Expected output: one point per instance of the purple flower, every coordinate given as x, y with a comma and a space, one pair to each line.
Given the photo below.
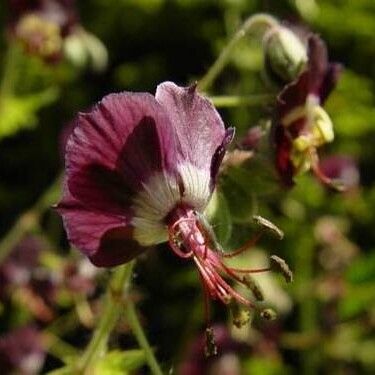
17, 268
140, 170
301, 124
41, 25
21, 351
342, 168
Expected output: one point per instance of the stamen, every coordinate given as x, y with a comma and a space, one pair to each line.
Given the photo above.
268, 225
249, 270
248, 244
210, 347
190, 238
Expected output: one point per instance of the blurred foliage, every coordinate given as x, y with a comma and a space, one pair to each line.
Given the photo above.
329, 237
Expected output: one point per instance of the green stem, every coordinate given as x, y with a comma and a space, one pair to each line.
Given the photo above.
308, 306
113, 302
254, 22
10, 71
237, 100
59, 348
29, 220
133, 321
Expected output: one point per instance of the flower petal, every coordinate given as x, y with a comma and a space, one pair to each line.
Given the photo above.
330, 80
219, 154
115, 148
85, 228
284, 164
293, 95
199, 128
322, 74
117, 246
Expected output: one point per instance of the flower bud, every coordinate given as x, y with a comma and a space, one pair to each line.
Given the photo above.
82, 48
285, 55
39, 36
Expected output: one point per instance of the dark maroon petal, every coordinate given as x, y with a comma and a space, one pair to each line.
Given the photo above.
115, 148
85, 228
219, 154
318, 79
293, 95
317, 64
116, 247
198, 126
144, 152
284, 164
100, 188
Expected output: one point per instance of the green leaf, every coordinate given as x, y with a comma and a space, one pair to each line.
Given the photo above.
257, 179
120, 362
17, 113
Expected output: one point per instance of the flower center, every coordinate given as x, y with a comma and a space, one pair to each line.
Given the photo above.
190, 236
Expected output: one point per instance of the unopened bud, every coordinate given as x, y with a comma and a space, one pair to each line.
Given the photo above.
279, 265
285, 55
82, 48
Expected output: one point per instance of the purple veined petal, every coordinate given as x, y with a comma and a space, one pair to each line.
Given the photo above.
94, 232
198, 126
115, 148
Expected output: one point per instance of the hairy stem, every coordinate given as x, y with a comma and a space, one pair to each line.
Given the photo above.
10, 71
113, 302
29, 220
253, 23
237, 100
308, 306
133, 321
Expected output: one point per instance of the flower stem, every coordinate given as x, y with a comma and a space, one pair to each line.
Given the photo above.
308, 306
10, 72
237, 100
254, 22
133, 321
29, 220
113, 302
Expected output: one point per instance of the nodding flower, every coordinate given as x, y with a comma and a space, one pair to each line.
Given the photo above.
302, 125
140, 171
